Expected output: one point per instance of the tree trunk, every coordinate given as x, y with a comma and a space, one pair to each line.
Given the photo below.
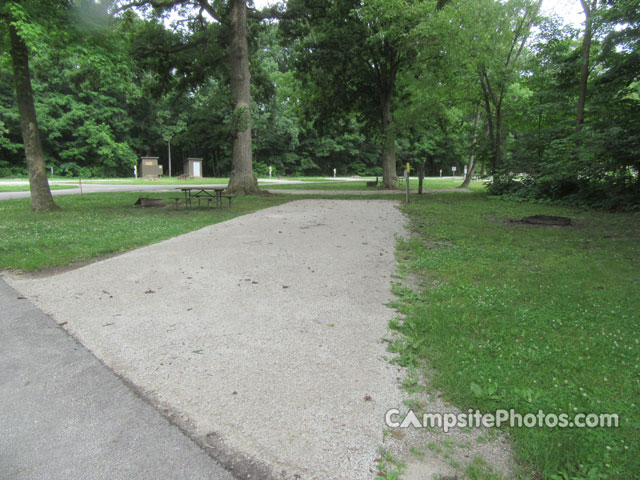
41, 198
584, 69
494, 119
472, 156
241, 181
470, 171
388, 143
420, 176
499, 141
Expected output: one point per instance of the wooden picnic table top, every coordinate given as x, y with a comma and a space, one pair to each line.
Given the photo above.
204, 191
217, 188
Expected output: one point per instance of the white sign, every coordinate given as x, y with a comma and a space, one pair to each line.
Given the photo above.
454, 169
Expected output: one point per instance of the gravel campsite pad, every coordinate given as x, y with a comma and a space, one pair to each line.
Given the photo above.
261, 336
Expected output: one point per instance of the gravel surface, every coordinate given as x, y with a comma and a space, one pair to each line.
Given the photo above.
64, 416
261, 336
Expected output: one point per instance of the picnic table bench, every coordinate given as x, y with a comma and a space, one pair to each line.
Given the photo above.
207, 194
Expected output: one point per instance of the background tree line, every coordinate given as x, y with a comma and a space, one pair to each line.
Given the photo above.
544, 110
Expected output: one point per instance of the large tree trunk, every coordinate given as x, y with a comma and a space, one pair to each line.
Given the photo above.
41, 198
472, 156
584, 69
388, 143
241, 181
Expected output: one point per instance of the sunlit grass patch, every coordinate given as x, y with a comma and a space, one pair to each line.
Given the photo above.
100, 224
531, 318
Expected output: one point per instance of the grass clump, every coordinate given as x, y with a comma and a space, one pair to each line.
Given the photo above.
530, 318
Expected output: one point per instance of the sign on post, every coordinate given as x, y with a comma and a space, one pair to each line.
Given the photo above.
453, 169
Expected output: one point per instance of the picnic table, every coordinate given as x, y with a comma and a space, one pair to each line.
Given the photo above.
210, 194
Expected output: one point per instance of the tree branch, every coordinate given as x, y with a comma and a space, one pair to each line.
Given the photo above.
172, 49
142, 3
206, 6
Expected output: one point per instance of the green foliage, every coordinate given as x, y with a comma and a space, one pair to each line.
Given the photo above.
109, 90
597, 166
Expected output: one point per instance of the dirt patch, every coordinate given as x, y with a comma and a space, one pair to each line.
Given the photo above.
544, 220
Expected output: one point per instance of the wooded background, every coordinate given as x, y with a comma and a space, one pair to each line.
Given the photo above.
544, 109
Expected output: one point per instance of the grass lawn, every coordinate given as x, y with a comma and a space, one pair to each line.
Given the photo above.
100, 224
25, 188
304, 179
532, 318
174, 180
429, 183
160, 181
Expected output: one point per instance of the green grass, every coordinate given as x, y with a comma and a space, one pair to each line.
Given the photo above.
175, 181
159, 181
25, 188
528, 317
305, 179
429, 183
100, 224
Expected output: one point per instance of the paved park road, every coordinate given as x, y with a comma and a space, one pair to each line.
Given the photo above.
262, 335
65, 416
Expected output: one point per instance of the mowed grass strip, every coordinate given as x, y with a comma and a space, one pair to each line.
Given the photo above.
428, 184
99, 224
25, 188
185, 181
532, 318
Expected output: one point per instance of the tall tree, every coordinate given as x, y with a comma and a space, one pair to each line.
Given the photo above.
241, 180
16, 19
233, 15
588, 6
500, 44
473, 165
354, 52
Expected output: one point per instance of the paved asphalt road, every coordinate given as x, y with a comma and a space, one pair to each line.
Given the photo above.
101, 188
106, 188
64, 415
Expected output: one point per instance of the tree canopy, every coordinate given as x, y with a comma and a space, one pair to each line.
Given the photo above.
543, 110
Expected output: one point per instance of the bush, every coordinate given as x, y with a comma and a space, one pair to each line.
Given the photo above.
614, 192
